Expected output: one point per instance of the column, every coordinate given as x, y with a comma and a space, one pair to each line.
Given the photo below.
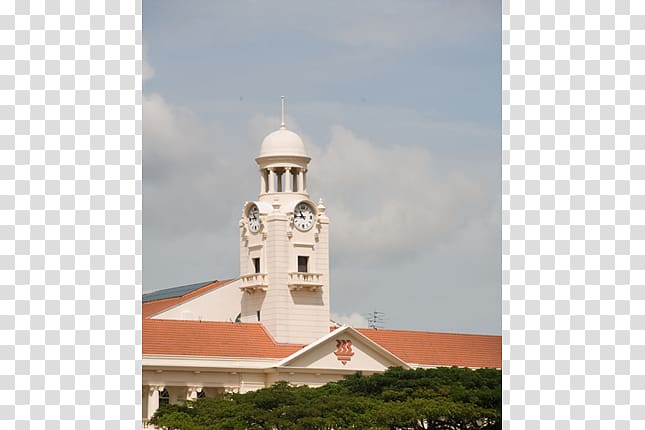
287, 179
304, 180
301, 180
263, 181
271, 180
153, 400
192, 393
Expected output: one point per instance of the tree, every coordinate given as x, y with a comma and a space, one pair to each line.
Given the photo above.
442, 398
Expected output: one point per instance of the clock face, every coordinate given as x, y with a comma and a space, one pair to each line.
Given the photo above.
254, 218
303, 217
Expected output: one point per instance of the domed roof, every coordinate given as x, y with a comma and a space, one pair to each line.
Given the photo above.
282, 142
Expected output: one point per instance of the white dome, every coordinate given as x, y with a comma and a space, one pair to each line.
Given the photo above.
282, 142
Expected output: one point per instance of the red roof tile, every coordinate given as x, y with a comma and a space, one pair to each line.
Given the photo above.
440, 349
154, 307
211, 339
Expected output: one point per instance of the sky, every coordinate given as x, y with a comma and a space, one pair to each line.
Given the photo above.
399, 106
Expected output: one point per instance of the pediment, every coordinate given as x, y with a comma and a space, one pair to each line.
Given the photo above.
218, 304
343, 349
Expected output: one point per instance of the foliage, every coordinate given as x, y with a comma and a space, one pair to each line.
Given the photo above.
442, 398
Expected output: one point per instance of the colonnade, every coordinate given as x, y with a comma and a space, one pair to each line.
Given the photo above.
156, 395
283, 179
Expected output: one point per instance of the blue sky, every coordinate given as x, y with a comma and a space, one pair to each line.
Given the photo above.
399, 105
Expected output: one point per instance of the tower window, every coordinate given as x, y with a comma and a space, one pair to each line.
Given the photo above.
258, 314
303, 263
256, 264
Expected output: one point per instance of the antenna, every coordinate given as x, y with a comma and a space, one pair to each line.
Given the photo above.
282, 124
375, 319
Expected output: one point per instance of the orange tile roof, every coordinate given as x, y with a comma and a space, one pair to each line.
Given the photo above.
211, 339
225, 339
154, 307
440, 349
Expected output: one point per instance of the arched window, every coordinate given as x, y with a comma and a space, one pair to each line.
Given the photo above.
164, 397
201, 394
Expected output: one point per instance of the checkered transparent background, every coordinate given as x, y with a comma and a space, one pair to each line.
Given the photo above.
573, 202
70, 214
573, 214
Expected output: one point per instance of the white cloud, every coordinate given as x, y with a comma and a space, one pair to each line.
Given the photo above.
173, 132
392, 200
395, 200
148, 70
353, 320
190, 182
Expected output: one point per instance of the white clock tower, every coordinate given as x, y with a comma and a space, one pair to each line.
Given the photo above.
284, 246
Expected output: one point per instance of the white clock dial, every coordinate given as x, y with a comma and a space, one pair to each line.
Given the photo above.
254, 219
303, 217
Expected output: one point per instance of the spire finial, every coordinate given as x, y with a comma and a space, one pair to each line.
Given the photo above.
282, 123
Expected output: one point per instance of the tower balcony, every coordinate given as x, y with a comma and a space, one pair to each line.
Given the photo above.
304, 281
254, 282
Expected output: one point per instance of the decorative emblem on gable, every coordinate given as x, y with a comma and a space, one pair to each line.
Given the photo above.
344, 351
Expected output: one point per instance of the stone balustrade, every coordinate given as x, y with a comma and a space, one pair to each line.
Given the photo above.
305, 281
254, 282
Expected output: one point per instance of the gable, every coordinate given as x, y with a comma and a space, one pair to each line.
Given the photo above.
217, 302
159, 301
344, 349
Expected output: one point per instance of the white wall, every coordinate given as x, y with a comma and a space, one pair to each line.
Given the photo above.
221, 304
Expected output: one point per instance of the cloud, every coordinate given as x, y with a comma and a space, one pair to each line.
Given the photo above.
194, 179
354, 319
394, 201
174, 137
148, 70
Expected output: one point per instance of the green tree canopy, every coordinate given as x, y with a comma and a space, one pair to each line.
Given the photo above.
441, 398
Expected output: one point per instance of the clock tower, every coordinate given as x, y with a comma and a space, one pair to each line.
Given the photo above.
284, 246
